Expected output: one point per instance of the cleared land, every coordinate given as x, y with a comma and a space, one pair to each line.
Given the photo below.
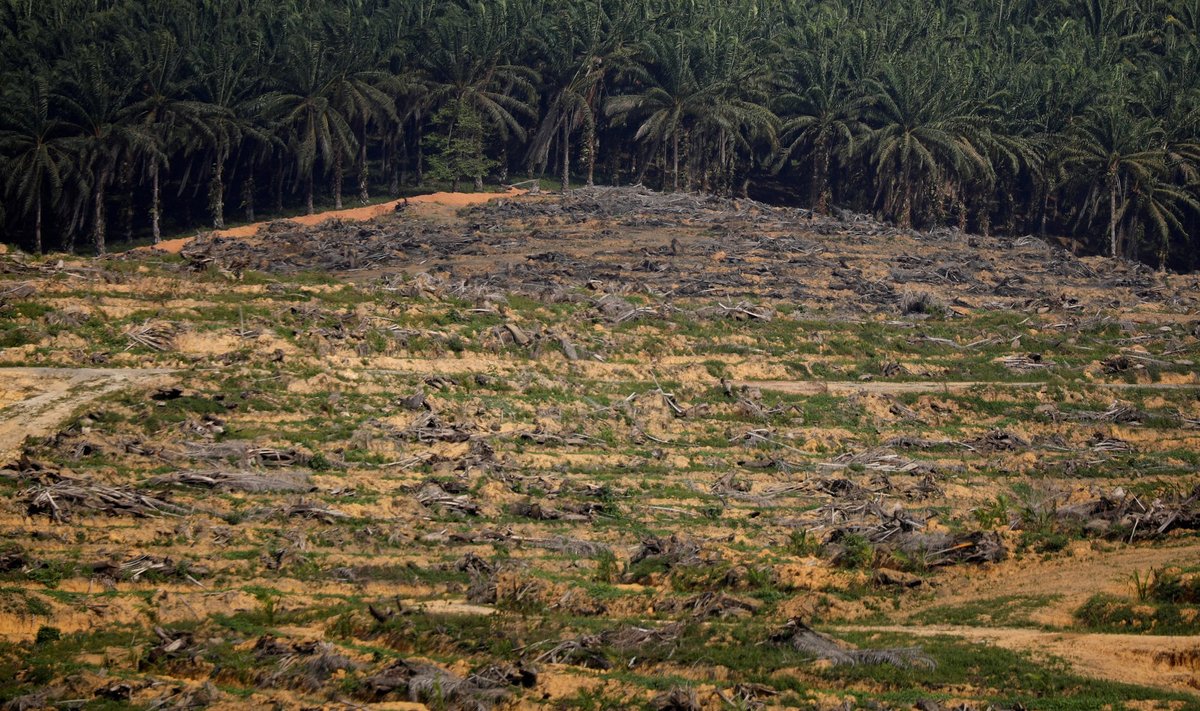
609, 450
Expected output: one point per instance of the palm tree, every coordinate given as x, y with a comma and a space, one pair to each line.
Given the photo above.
306, 111
38, 162
1159, 208
230, 84
466, 67
361, 91
1114, 153
586, 46
823, 118
920, 135
165, 109
95, 99
671, 93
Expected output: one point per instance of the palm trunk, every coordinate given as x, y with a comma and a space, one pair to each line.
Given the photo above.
364, 190
566, 155
675, 159
821, 182
1045, 210
308, 198
98, 225
279, 187
815, 189
639, 171
127, 201
420, 168
1113, 242
337, 181
248, 193
399, 167
593, 144
906, 206
155, 204
216, 194
37, 224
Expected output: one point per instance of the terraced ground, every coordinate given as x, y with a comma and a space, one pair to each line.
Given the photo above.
609, 450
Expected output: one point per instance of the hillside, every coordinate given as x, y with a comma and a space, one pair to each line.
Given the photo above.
608, 449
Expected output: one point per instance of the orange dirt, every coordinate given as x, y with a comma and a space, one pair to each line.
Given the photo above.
360, 214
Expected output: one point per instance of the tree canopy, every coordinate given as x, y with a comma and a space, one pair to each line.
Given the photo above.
1076, 119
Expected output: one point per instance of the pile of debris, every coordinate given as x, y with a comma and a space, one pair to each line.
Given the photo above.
285, 247
1127, 515
66, 496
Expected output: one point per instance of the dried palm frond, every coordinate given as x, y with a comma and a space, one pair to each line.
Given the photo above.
153, 335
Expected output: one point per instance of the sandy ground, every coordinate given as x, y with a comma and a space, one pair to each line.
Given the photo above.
426, 203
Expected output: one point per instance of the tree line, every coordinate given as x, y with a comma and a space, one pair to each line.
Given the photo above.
1075, 118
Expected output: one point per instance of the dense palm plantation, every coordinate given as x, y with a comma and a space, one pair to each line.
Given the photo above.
1074, 119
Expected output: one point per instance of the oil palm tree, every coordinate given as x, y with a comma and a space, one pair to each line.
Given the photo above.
823, 115
38, 160
306, 110
164, 107
921, 134
587, 45
1115, 153
468, 67
95, 98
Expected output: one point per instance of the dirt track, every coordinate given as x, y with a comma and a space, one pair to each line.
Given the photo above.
424, 203
44, 397
816, 387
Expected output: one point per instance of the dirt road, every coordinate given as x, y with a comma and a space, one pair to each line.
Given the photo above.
369, 212
850, 387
